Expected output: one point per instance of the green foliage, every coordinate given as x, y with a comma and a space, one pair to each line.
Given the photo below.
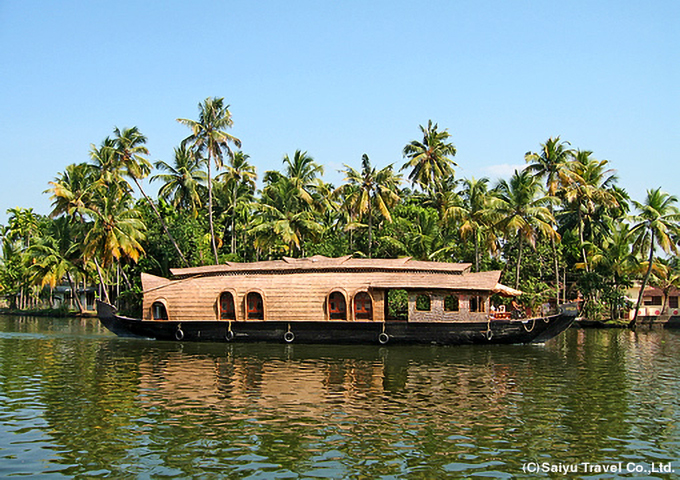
397, 304
561, 213
423, 303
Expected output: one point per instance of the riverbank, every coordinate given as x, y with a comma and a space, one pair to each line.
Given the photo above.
642, 322
48, 312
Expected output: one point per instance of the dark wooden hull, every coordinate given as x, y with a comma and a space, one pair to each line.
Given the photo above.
534, 330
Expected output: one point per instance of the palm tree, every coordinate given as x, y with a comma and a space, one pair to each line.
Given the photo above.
658, 224
281, 220
130, 151
183, 180
521, 206
115, 233
12, 268
589, 187
208, 135
303, 172
613, 260
415, 232
23, 225
550, 163
240, 176
475, 214
374, 189
53, 257
430, 159
71, 190
105, 162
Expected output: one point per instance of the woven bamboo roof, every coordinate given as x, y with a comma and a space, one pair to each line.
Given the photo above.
352, 273
322, 263
482, 281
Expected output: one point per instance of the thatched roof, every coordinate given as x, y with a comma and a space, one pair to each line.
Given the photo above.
321, 263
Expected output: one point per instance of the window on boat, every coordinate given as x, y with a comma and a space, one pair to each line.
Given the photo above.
673, 302
337, 307
255, 306
477, 304
363, 306
654, 300
158, 311
423, 303
227, 309
451, 303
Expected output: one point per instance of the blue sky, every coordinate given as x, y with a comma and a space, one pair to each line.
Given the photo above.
339, 79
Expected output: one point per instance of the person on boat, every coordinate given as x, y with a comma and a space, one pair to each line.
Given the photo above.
517, 310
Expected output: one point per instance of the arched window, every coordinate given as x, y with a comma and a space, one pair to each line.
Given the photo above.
423, 303
158, 311
363, 306
254, 306
451, 303
227, 309
337, 307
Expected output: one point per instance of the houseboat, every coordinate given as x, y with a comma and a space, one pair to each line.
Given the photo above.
332, 300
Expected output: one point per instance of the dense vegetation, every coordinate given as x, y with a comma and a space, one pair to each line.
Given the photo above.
560, 227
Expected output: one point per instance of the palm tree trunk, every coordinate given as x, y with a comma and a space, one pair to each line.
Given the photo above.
580, 236
125, 278
556, 260
101, 280
370, 232
519, 262
165, 227
233, 220
210, 213
81, 309
477, 251
633, 322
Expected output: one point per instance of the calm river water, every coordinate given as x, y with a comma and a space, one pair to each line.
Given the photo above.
77, 402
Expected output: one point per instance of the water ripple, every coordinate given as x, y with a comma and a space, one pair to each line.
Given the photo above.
96, 406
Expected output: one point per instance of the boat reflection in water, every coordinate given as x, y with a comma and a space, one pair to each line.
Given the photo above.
317, 382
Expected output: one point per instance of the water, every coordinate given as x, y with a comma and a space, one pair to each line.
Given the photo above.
78, 402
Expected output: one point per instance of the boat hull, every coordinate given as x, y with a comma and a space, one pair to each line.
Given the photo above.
535, 330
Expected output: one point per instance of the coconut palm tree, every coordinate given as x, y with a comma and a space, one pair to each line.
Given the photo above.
105, 163
371, 189
23, 225
208, 135
239, 177
72, 189
115, 233
475, 215
550, 163
429, 159
657, 225
612, 260
53, 257
303, 172
281, 220
130, 151
522, 208
589, 188
183, 180
415, 232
